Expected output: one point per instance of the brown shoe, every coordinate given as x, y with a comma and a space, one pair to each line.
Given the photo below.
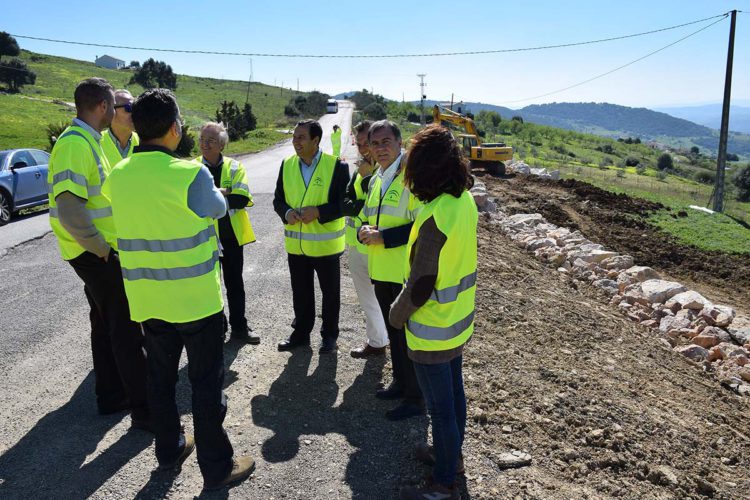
367, 351
426, 454
429, 491
242, 467
187, 449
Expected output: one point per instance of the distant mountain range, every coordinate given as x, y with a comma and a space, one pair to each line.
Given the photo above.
710, 116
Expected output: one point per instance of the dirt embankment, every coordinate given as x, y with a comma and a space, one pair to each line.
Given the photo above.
618, 222
604, 409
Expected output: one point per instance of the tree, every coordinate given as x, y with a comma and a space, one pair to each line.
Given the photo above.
135, 64
238, 123
8, 45
15, 74
154, 74
695, 151
374, 111
187, 143
742, 181
665, 162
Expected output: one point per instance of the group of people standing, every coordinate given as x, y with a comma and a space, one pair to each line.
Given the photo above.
147, 233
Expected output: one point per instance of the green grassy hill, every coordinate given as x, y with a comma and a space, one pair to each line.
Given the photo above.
25, 116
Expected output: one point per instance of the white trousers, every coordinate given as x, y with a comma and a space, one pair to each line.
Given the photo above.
377, 336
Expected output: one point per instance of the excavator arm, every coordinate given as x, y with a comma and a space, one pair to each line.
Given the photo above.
440, 114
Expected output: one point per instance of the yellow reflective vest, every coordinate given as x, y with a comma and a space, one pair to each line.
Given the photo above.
78, 165
112, 152
446, 320
313, 239
396, 207
353, 223
234, 177
169, 255
336, 142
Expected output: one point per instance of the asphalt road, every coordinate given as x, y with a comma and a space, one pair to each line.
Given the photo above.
311, 423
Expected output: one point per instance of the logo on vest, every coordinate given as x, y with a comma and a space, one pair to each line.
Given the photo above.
392, 195
318, 182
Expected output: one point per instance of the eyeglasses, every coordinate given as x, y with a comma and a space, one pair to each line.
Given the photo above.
128, 106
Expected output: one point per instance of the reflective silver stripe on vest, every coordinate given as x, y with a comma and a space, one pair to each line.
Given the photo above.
93, 151
450, 294
399, 212
370, 211
69, 175
313, 236
173, 245
437, 333
240, 185
94, 213
351, 222
171, 274
91, 190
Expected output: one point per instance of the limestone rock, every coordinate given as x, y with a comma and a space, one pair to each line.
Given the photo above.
740, 335
618, 262
661, 290
688, 300
694, 352
642, 273
706, 340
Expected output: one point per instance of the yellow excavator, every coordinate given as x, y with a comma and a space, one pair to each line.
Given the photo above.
490, 156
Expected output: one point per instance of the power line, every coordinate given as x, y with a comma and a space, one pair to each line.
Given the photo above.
618, 68
375, 56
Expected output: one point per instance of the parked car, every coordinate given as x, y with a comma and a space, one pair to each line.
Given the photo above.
23, 181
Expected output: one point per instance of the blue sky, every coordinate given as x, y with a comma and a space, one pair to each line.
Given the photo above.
691, 72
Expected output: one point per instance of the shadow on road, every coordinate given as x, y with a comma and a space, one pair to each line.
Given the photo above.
51, 460
300, 404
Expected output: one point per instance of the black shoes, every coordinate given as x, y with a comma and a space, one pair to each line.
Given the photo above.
393, 391
292, 343
328, 345
405, 410
246, 337
113, 405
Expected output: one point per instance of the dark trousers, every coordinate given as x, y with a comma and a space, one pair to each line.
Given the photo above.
443, 388
116, 341
204, 342
403, 368
232, 263
302, 270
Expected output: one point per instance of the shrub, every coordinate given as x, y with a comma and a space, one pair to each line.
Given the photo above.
640, 169
620, 173
238, 123
665, 162
187, 143
375, 111
705, 177
632, 161
742, 181
54, 130
661, 175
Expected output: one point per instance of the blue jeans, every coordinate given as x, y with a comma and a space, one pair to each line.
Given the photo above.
204, 342
442, 385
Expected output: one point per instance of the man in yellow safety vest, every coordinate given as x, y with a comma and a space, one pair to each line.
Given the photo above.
336, 141
235, 230
309, 200
164, 210
120, 138
390, 211
81, 218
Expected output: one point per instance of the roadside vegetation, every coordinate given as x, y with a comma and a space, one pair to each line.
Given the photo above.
26, 114
675, 178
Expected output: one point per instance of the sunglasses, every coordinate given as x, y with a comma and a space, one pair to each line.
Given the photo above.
128, 106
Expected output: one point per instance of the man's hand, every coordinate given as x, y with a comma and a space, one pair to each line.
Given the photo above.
292, 217
309, 214
225, 191
369, 235
365, 168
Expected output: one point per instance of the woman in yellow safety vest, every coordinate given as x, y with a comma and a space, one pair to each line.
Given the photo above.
437, 303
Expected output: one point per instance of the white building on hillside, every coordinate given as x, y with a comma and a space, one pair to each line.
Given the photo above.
109, 62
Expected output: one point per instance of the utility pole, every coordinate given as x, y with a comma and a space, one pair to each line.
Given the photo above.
247, 98
297, 85
721, 161
422, 96
451, 101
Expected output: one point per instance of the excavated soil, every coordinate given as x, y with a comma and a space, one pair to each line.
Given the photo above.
618, 222
605, 409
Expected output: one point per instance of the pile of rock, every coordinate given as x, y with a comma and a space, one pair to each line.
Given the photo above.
521, 167
690, 323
